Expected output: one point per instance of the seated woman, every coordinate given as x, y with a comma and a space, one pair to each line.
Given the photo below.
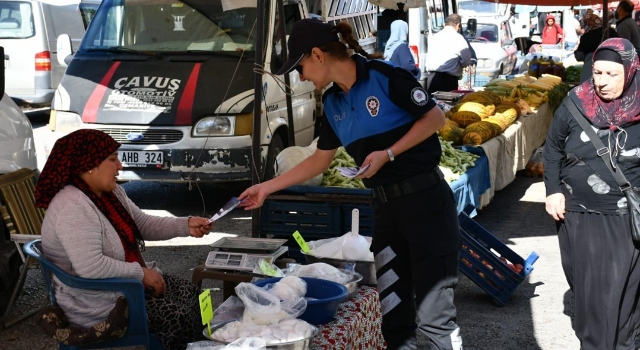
93, 230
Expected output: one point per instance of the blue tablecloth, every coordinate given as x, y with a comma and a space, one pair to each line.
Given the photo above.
473, 183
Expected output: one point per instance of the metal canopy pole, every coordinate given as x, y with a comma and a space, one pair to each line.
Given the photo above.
287, 81
257, 113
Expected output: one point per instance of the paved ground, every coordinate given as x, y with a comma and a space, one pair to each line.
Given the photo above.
537, 316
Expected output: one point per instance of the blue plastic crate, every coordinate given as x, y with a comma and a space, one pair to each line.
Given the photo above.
480, 260
316, 212
312, 219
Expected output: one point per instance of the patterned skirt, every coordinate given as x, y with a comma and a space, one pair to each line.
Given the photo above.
175, 316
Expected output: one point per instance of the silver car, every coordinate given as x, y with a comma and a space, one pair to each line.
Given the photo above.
495, 49
28, 33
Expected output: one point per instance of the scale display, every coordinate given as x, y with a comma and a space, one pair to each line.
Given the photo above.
227, 260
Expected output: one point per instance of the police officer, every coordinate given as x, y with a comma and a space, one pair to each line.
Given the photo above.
386, 120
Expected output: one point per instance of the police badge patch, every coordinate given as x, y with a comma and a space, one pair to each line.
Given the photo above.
419, 96
373, 105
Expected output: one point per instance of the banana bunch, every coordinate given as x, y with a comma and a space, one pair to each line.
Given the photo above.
536, 98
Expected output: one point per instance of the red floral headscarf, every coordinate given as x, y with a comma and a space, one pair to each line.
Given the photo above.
624, 109
75, 154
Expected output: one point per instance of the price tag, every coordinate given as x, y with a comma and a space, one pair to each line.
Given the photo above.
206, 309
268, 269
301, 242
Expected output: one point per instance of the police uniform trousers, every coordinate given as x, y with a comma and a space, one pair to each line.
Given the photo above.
416, 242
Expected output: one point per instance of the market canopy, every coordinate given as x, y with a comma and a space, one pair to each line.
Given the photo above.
574, 3
393, 4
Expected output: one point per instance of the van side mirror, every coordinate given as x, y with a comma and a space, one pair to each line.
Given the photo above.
507, 42
472, 27
64, 50
6, 57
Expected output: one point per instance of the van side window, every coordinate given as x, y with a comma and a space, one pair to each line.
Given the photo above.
16, 20
87, 11
291, 16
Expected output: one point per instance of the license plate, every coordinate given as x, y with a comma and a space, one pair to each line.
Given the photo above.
138, 158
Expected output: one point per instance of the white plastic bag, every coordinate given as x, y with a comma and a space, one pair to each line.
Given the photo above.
321, 271
327, 248
264, 308
230, 309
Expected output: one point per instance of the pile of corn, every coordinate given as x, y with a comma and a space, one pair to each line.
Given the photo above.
533, 91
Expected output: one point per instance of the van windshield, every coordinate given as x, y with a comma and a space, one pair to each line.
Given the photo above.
485, 33
173, 26
16, 20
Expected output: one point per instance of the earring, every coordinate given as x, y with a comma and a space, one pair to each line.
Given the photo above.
90, 171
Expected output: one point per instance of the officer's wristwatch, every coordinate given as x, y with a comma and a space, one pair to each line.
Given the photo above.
390, 154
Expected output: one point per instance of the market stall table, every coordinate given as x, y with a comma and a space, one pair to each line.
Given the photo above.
468, 189
357, 324
511, 151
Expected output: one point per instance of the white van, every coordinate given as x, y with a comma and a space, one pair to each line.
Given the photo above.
17, 146
173, 82
28, 32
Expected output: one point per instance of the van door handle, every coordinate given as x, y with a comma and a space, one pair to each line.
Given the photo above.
6, 57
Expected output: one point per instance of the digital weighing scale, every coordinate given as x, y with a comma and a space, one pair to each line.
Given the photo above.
243, 253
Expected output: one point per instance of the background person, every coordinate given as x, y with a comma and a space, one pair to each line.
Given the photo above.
551, 33
445, 64
626, 26
589, 42
397, 51
92, 229
572, 31
386, 121
594, 230
587, 12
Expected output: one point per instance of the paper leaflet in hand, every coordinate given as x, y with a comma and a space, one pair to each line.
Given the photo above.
229, 206
352, 171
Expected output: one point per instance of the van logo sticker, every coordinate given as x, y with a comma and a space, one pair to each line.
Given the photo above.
373, 105
177, 23
135, 136
264, 90
143, 93
419, 96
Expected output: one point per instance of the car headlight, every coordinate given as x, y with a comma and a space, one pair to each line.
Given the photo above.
214, 126
488, 63
63, 121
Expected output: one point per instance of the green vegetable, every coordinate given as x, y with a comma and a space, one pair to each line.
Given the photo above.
455, 161
572, 73
333, 178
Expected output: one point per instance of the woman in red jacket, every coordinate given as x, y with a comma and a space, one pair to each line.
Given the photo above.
552, 32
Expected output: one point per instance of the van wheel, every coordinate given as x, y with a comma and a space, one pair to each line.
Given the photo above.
275, 148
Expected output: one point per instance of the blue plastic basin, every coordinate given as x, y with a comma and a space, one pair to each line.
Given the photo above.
328, 295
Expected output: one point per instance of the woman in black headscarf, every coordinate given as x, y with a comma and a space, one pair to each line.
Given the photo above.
93, 230
594, 230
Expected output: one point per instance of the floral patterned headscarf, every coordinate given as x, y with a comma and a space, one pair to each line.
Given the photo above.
591, 22
624, 109
74, 155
